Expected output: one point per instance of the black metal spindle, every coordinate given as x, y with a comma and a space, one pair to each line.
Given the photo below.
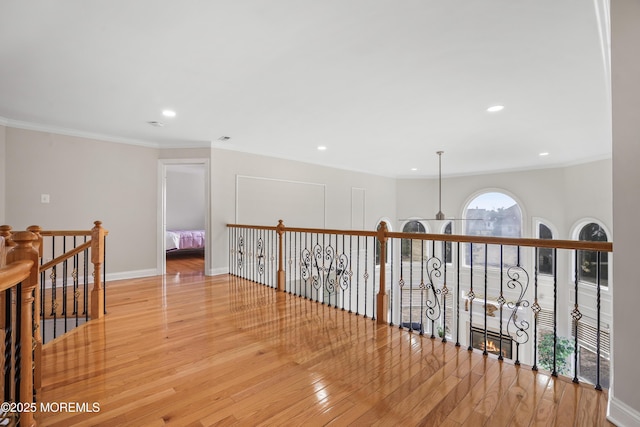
74, 275
575, 314
53, 288
366, 273
86, 284
535, 311
458, 295
18, 344
422, 288
351, 271
390, 282
8, 343
554, 372
445, 292
471, 296
373, 281
501, 299
598, 276
358, 277
64, 283
486, 289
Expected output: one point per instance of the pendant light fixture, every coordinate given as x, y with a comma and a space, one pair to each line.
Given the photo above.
439, 215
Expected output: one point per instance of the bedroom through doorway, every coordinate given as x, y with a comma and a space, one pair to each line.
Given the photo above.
184, 214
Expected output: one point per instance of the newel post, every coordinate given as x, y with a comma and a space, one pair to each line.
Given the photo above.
24, 250
97, 258
382, 302
281, 276
5, 231
37, 351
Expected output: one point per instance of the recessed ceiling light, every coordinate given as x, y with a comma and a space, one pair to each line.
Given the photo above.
414, 169
321, 148
169, 113
495, 108
543, 154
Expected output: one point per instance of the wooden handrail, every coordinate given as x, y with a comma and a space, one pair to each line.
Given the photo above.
65, 256
14, 273
505, 241
60, 233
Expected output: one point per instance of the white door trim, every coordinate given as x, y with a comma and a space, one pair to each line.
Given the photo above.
162, 209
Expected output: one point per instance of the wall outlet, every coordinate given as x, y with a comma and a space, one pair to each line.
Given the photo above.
44, 198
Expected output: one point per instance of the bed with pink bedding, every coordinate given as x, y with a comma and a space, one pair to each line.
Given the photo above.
184, 239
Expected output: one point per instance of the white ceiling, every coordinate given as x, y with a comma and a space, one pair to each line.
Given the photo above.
383, 84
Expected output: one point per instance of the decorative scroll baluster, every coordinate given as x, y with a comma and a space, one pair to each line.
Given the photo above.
241, 251
433, 309
518, 277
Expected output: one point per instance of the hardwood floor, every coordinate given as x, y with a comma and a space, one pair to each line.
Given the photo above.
190, 350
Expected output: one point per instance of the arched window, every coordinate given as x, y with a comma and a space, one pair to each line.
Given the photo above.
545, 255
413, 249
588, 260
493, 214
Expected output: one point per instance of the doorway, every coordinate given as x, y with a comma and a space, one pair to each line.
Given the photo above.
183, 214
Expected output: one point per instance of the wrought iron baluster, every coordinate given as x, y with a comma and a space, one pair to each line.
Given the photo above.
391, 301
53, 278
86, 283
470, 296
433, 310
358, 278
501, 299
598, 277
64, 283
366, 273
576, 315
422, 287
536, 309
18, 343
458, 295
486, 289
445, 292
554, 371
518, 277
8, 343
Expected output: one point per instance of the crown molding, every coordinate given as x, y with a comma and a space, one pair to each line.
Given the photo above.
75, 132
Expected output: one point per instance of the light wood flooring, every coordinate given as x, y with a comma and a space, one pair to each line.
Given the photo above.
190, 350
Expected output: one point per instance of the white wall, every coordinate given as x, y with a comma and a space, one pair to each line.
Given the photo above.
185, 205
87, 180
328, 198
624, 397
560, 195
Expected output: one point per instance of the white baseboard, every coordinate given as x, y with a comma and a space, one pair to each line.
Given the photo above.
123, 275
217, 271
622, 414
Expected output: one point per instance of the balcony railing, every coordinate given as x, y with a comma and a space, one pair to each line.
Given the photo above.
523, 300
